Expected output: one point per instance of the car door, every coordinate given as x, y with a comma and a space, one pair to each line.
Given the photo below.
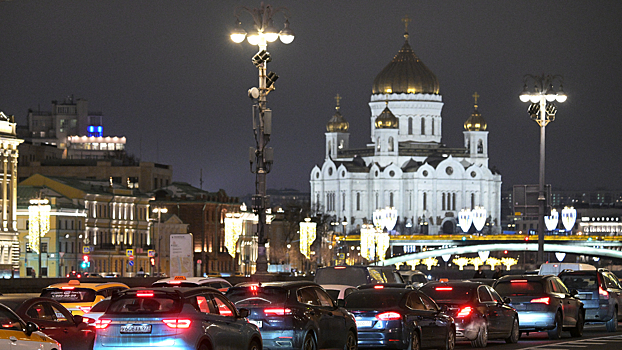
442, 322
504, 312
615, 289
418, 316
57, 322
332, 320
570, 304
314, 315
487, 306
230, 323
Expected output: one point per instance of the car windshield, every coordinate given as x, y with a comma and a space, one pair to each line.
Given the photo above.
255, 296
101, 306
355, 276
173, 284
132, 304
580, 281
69, 294
334, 293
449, 294
372, 300
417, 278
519, 287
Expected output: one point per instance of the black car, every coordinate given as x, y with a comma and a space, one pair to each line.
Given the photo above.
543, 303
399, 318
295, 315
479, 312
357, 275
601, 294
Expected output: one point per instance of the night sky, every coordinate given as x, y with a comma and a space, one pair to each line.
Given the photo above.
166, 75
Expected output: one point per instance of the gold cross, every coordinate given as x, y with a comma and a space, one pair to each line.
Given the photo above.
406, 20
476, 96
338, 99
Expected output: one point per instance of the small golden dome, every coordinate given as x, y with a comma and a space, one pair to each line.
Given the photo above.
405, 74
386, 119
337, 123
475, 122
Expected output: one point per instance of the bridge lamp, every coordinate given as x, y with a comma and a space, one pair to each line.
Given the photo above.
569, 216
465, 220
560, 256
483, 254
552, 220
479, 217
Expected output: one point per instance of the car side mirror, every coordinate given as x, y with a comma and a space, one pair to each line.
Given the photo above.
444, 309
574, 292
78, 319
31, 327
243, 312
341, 303
507, 300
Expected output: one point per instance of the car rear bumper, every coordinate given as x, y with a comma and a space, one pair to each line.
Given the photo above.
536, 320
467, 331
601, 313
392, 338
281, 339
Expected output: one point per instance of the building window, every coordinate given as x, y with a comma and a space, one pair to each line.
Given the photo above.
422, 126
425, 199
410, 126
443, 202
377, 206
343, 201
358, 201
390, 144
472, 201
432, 126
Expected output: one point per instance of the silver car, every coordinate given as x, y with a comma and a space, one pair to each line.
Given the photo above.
543, 303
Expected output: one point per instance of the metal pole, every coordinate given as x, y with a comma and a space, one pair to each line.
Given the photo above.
261, 267
541, 193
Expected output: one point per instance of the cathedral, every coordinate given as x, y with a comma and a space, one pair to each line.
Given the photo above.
405, 166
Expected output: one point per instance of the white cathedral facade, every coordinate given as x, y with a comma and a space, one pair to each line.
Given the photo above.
405, 166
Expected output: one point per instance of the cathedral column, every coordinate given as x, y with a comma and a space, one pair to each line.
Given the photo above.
13, 213
5, 163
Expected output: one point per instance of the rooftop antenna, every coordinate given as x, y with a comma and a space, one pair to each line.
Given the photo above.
201, 179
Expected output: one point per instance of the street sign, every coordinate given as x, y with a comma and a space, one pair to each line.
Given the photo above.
151, 253
131, 262
131, 257
199, 261
129, 252
86, 249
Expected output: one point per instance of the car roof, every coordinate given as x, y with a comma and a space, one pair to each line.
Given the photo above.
530, 278
181, 291
336, 286
197, 280
281, 284
384, 291
464, 283
89, 285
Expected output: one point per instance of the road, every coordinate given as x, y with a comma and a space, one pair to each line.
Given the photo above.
594, 337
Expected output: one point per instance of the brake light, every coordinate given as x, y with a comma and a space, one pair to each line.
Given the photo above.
339, 267
378, 287
144, 293
603, 294
544, 300
88, 320
444, 288
389, 316
254, 287
67, 288
84, 309
518, 281
102, 324
174, 282
464, 312
277, 311
179, 323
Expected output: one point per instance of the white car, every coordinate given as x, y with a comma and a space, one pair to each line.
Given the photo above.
338, 291
17, 334
96, 311
182, 281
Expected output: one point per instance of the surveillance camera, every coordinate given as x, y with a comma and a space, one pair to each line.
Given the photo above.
253, 93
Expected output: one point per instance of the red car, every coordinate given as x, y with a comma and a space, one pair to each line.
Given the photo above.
54, 320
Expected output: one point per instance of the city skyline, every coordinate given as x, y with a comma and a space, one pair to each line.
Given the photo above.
166, 75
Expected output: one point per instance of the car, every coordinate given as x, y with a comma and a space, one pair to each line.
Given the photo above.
601, 294
54, 320
414, 277
74, 274
338, 291
15, 333
182, 281
181, 318
79, 297
479, 312
110, 274
550, 268
543, 303
357, 275
399, 318
96, 311
295, 315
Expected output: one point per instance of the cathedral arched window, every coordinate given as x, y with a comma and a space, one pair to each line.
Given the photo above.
425, 200
472, 201
341, 144
330, 148
391, 199
422, 126
377, 206
410, 126
391, 144
378, 144
453, 201
343, 201
358, 200
432, 127
480, 147
443, 202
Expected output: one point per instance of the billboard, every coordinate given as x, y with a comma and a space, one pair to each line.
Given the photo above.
180, 263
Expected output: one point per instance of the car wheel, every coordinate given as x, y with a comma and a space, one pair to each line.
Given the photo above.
514, 333
203, 347
415, 343
577, 331
556, 332
351, 342
254, 345
482, 337
612, 324
309, 343
450, 342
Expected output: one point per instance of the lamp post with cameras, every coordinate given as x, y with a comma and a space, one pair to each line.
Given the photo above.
542, 111
261, 157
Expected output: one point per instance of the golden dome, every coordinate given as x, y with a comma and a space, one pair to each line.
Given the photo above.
386, 119
337, 123
405, 74
475, 122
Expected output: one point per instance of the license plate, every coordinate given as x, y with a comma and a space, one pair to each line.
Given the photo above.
135, 328
585, 296
363, 323
256, 323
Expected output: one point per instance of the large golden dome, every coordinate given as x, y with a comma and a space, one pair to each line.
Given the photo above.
386, 120
405, 74
475, 122
337, 123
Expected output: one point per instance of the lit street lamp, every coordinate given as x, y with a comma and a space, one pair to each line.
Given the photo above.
159, 211
542, 111
261, 156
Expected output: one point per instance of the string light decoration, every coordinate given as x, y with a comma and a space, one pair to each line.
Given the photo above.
461, 262
477, 262
429, 262
374, 243
38, 222
493, 262
307, 236
233, 230
509, 262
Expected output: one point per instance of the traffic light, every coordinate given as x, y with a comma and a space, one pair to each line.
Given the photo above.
152, 260
85, 262
505, 252
85, 258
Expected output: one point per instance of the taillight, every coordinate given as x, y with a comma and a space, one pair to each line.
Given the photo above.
544, 300
88, 320
389, 316
277, 311
603, 294
180, 323
444, 288
518, 281
464, 312
84, 309
101, 324
67, 288
378, 287
144, 293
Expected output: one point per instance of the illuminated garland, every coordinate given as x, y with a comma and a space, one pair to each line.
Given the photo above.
38, 222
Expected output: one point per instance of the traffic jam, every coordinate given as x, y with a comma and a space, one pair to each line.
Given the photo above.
346, 307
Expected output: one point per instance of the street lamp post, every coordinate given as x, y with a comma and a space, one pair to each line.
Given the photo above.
159, 211
261, 156
542, 111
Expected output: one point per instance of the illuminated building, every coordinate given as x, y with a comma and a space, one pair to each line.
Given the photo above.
406, 165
